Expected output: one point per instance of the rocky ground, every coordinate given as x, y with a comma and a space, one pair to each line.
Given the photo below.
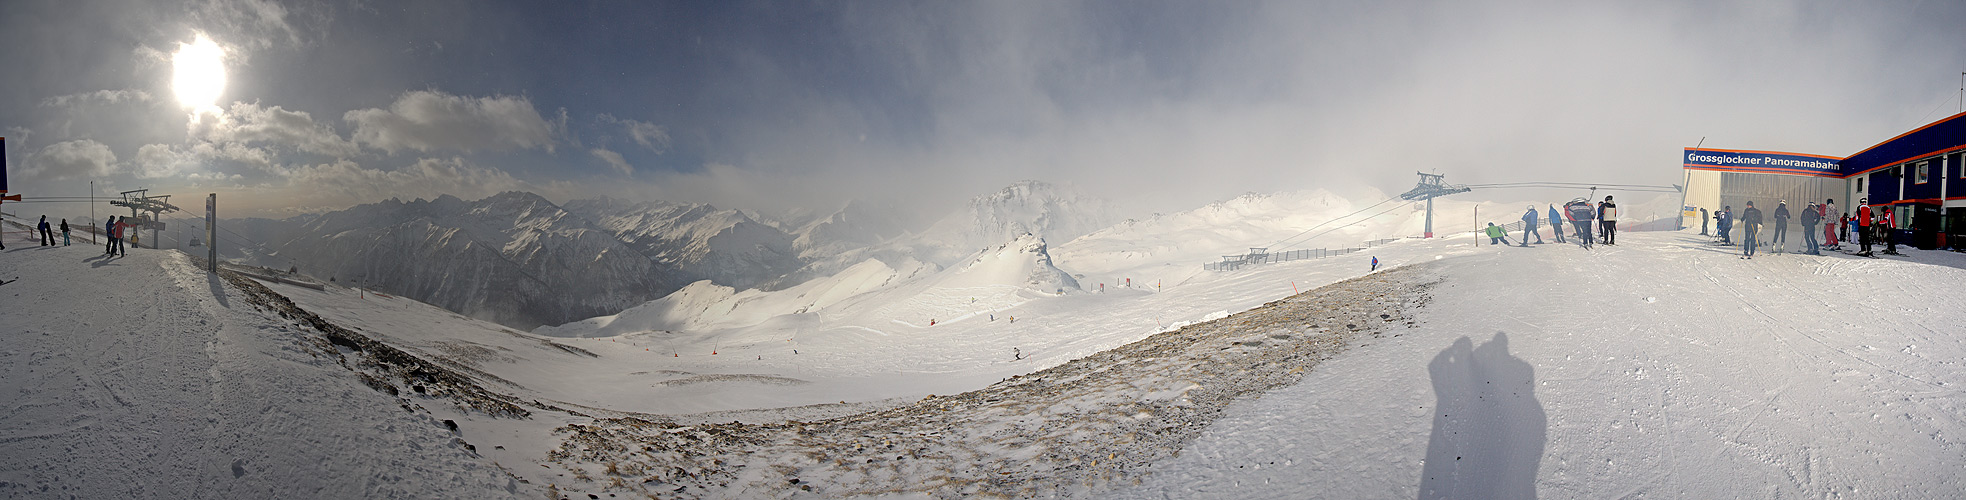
1070, 430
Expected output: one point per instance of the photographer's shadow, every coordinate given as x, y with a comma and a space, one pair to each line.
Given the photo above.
1489, 430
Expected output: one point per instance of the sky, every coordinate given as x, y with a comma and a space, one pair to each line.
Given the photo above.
773, 106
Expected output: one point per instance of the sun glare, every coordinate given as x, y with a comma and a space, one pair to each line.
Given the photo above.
198, 73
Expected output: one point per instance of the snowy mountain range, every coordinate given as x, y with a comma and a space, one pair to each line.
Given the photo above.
519, 259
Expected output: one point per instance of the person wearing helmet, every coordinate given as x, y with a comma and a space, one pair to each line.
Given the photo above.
1723, 223
1607, 221
1751, 229
1529, 227
1780, 239
1811, 215
1863, 227
1580, 214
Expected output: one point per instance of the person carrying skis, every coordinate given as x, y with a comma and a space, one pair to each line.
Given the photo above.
47, 235
64, 232
1607, 220
1496, 235
1556, 225
1781, 225
1723, 223
1580, 214
1810, 216
1529, 224
1751, 217
1863, 227
1829, 222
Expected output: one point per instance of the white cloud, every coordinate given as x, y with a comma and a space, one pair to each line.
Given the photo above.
71, 159
199, 160
249, 123
98, 97
344, 182
647, 134
614, 160
257, 24
430, 121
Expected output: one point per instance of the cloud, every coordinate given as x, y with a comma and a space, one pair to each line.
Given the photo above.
204, 160
71, 159
614, 160
428, 121
249, 123
257, 24
344, 182
649, 135
97, 97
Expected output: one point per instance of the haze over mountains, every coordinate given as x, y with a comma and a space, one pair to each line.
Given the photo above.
519, 259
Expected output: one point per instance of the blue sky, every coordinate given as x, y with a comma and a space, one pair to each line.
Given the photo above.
778, 105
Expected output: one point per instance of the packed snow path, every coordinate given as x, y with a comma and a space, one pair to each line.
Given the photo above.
1661, 367
145, 377
1067, 430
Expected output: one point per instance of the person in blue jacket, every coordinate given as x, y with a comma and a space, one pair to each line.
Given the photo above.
1556, 224
1529, 227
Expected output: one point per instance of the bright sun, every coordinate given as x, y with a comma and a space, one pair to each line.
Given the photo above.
198, 73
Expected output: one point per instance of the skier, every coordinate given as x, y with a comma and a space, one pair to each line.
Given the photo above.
64, 232
122, 228
1810, 216
1580, 214
1496, 235
1781, 225
1829, 223
1752, 218
1529, 224
1723, 222
1863, 227
1703, 221
1556, 224
1889, 230
1375, 263
47, 235
1607, 220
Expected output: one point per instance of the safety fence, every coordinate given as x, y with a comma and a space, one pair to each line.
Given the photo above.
1264, 256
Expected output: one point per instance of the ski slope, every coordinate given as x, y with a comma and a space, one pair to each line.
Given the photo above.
1661, 367
145, 377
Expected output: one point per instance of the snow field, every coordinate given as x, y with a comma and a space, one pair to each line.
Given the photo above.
144, 377
1663, 366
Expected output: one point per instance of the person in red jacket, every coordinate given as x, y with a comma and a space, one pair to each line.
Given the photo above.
1888, 227
1863, 227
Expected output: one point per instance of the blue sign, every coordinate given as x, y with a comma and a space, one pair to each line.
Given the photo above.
1764, 162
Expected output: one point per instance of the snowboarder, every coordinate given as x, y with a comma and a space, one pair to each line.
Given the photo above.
1751, 217
1375, 263
64, 232
1529, 224
1723, 223
1863, 227
1607, 220
1496, 236
47, 235
1556, 225
1580, 214
1703, 221
1888, 229
1781, 225
1811, 215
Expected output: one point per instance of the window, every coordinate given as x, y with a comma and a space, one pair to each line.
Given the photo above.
1860, 184
1924, 172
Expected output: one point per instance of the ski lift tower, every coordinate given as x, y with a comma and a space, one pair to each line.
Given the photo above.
1431, 187
156, 205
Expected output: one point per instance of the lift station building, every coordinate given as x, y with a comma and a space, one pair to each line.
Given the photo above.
1917, 175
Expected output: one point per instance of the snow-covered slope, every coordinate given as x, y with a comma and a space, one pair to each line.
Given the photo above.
514, 258
145, 377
